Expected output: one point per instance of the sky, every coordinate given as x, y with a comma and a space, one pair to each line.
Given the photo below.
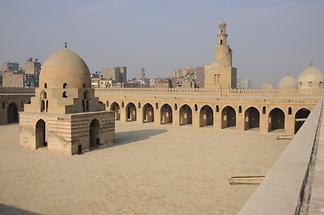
269, 38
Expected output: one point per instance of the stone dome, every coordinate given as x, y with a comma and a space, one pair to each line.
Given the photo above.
310, 78
64, 67
287, 82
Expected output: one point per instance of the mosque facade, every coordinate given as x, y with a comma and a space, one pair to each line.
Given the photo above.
64, 115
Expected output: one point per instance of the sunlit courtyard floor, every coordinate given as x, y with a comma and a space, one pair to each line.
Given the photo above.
151, 170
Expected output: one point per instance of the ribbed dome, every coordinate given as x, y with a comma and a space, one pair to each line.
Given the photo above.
287, 82
310, 78
65, 66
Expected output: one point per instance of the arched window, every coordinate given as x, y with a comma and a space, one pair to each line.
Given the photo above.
139, 105
107, 103
122, 104
175, 106
87, 105
83, 106
83, 85
289, 111
156, 106
64, 85
45, 85
196, 107
240, 109
43, 95
3, 105
217, 108
221, 42
22, 104
264, 110
64, 94
44, 102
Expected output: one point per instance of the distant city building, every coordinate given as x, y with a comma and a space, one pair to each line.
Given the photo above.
32, 71
116, 75
96, 79
243, 84
189, 77
160, 83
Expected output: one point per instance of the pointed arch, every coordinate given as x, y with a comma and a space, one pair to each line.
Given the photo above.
251, 118
40, 134
276, 119
94, 134
206, 116
228, 117
300, 117
148, 113
166, 114
116, 109
185, 115
131, 112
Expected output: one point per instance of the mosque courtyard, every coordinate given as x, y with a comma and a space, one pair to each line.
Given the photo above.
150, 170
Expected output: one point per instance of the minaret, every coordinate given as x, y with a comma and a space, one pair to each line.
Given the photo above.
142, 74
223, 51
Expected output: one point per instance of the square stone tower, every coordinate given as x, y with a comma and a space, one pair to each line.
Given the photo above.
221, 74
65, 116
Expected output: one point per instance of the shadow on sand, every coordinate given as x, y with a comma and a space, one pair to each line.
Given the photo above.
7, 209
137, 135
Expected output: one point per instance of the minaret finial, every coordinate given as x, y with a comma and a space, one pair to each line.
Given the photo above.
65, 45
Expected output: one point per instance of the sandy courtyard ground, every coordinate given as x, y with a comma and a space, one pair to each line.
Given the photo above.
151, 170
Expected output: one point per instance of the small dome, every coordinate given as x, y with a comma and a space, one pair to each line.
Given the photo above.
65, 67
287, 82
267, 86
310, 78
